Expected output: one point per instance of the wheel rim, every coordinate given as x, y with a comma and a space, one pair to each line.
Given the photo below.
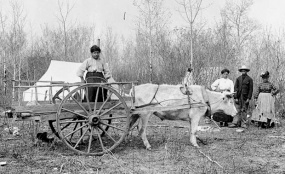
93, 128
56, 99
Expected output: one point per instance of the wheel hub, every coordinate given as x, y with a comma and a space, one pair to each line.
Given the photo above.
94, 120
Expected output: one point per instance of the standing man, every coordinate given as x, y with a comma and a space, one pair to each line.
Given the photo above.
243, 88
97, 72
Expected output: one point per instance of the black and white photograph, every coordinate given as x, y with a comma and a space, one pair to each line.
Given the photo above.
142, 87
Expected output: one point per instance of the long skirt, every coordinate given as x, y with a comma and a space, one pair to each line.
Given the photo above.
96, 77
266, 105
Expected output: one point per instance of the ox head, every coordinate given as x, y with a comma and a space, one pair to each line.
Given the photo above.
219, 102
224, 104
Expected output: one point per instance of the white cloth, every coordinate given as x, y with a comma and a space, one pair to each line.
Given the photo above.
92, 65
223, 84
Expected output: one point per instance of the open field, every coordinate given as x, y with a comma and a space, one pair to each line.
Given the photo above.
252, 151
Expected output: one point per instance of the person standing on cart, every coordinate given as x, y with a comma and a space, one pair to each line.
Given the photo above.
97, 72
264, 98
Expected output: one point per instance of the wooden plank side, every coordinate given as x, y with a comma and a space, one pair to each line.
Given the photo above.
52, 108
24, 103
63, 115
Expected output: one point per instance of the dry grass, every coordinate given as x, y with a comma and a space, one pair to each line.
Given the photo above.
252, 151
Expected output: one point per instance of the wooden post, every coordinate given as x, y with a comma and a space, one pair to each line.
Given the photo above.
36, 93
32, 93
50, 91
133, 96
5, 76
98, 42
19, 83
13, 83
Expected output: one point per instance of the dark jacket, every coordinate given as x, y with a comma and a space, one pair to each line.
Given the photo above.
243, 87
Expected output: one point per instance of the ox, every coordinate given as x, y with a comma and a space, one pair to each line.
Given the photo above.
164, 96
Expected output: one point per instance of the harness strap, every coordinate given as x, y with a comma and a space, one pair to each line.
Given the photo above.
188, 93
206, 99
149, 104
154, 95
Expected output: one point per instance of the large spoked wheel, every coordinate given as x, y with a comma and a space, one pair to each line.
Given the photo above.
81, 125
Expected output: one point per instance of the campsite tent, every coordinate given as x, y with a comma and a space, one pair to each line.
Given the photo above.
57, 71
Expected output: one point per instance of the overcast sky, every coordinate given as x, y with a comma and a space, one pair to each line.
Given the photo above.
103, 13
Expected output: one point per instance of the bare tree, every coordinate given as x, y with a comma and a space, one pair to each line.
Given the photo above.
151, 24
191, 9
240, 25
64, 13
13, 38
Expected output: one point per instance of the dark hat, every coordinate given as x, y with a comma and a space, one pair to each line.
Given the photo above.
243, 67
264, 74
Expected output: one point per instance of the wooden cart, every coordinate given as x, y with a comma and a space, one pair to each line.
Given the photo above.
88, 128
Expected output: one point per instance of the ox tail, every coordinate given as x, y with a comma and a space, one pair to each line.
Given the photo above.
207, 101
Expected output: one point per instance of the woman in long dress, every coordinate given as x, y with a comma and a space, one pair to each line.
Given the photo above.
265, 101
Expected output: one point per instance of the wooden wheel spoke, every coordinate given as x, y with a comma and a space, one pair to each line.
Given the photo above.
100, 139
90, 139
74, 99
118, 104
80, 139
113, 126
73, 121
100, 127
96, 99
110, 118
74, 112
102, 106
87, 98
65, 126
73, 130
79, 128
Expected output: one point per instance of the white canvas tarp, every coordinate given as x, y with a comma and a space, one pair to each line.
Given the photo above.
57, 71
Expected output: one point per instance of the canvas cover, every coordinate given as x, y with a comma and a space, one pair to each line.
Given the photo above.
57, 71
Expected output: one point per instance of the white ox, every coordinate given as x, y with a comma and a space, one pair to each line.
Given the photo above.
167, 96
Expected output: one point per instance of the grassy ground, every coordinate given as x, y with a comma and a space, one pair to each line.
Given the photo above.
252, 151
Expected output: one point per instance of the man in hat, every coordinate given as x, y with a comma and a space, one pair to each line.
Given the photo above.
243, 92
97, 72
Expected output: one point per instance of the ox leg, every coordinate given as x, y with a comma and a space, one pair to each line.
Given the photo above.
133, 120
195, 115
142, 131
